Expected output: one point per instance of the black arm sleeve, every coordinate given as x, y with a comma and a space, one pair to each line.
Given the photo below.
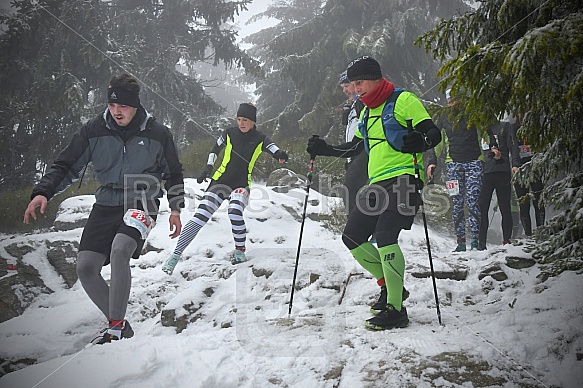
347, 150
432, 133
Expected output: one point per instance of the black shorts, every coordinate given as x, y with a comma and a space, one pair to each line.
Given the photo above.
383, 210
103, 224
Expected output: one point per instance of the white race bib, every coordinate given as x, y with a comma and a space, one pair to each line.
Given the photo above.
138, 219
524, 151
241, 195
453, 187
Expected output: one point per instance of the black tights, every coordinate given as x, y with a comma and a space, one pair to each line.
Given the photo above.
499, 181
524, 201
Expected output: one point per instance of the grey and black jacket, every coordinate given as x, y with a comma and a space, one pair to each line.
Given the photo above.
117, 159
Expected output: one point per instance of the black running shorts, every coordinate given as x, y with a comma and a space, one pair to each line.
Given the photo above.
103, 224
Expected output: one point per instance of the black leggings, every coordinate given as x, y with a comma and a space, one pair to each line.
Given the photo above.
499, 181
356, 177
524, 202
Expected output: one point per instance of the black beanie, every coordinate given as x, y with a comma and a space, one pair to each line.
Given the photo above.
117, 95
344, 78
364, 68
248, 111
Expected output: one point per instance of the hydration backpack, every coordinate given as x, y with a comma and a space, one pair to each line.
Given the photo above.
394, 131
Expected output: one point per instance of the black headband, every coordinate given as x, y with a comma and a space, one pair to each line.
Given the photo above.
123, 97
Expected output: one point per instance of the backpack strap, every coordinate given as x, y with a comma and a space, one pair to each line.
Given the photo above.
391, 127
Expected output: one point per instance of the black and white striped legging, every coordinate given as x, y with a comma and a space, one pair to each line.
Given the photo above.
212, 200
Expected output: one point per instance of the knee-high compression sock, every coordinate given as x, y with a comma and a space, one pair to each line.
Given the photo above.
122, 248
88, 268
393, 264
368, 257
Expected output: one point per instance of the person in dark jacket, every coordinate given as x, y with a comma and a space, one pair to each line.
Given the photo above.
232, 180
522, 155
131, 154
496, 177
356, 167
464, 165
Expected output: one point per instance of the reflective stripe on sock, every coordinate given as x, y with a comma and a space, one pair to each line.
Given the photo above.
368, 257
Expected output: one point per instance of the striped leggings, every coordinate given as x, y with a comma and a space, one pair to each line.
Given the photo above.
212, 200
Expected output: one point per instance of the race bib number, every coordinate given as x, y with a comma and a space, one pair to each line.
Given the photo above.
453, 187
524, 151
241, 195
138, 219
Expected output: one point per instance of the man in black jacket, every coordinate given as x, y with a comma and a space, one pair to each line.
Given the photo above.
131, 154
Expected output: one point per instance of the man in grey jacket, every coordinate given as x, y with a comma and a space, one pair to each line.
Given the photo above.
131, 154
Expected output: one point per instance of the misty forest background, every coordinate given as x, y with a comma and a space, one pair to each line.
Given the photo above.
501, 56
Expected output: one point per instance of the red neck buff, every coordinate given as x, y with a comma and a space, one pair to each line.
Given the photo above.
379, 95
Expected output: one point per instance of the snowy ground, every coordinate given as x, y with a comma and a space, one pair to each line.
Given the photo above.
516, 332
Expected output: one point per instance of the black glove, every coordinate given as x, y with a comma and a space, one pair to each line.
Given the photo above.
317, 146
205, 174
279, 155
414, 142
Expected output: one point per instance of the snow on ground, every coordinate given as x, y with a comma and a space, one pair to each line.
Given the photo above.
515, 332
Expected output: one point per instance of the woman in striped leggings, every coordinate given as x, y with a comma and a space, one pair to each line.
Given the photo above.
243, 145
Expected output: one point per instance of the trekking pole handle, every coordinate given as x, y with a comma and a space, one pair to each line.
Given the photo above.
409, 125
409, 130
313, 156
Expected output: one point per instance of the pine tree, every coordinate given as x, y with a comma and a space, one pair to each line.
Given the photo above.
47, 71
315, 41
57, 56
527, 58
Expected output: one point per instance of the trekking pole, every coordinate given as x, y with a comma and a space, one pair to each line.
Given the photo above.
310, 170
493, 214
410, 129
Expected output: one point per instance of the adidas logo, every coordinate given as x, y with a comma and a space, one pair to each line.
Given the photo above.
113, 96
141, 142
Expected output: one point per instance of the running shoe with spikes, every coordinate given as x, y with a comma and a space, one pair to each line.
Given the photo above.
381, 303
388, 319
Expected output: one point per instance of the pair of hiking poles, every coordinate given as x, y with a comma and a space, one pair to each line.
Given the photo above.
418, 190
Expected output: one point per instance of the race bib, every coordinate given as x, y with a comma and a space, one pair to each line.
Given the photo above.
524, 151
453, 187
138, 219
241, 195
